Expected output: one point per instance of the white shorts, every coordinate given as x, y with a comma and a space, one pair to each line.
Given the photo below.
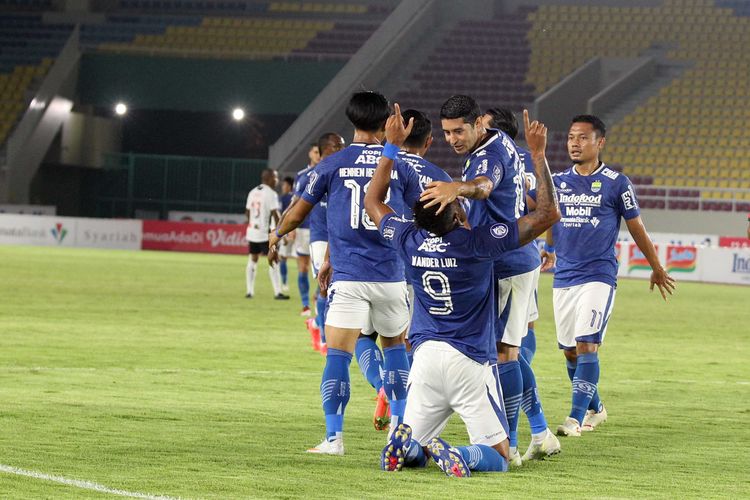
582, 313
515, 303
302, 241
534, 306
368, 306
443, 381
317, 255
285, 249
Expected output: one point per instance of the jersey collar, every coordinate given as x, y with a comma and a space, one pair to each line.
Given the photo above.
599, 169
489, 141
363, 144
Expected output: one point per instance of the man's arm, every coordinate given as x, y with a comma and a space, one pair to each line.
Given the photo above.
290, 221
395, 134
547, 211
548, 255
659, 276
445, 192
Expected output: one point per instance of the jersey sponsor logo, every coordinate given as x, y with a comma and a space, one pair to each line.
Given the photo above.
681, 259
497, 173
499, 231
607, 172
595, 221
389, 232
563, 185
578, 211
628, 199
596, 186
581, 199
434, 245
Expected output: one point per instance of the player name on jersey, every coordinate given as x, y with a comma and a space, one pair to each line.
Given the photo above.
362, 172
433, 262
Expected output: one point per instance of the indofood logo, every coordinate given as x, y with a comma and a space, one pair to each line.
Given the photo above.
59, 233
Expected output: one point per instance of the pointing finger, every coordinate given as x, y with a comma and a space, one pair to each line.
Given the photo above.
526, 119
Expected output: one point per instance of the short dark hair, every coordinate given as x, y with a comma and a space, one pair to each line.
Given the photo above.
505, 120
326, 139
460, 106
438, 224
595, 122
368, 111
421, 130
288, 180
267, 174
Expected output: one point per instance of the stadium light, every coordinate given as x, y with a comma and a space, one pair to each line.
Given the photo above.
121, 108
238, 114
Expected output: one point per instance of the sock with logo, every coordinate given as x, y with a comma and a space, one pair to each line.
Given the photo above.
483, 458
303, 283
530, 400
250, 276
396, 373
584, 384
528, 345
511, 381
335, 390
596, 403
370, 361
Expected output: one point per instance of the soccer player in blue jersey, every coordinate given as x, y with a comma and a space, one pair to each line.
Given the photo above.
368, 290
494, 181
285, 249
302, 234
328, 144
593, 198
452, 330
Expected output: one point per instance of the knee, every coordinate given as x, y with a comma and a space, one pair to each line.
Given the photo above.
570, 355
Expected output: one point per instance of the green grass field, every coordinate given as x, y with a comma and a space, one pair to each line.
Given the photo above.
150, 372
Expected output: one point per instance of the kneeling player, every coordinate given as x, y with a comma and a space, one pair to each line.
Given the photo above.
452, 330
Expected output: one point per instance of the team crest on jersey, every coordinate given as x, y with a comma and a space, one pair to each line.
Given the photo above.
389, 232
596, 186
499, 231
435, 244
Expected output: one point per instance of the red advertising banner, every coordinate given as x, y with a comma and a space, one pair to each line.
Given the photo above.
734, 242
681, 258
193, 237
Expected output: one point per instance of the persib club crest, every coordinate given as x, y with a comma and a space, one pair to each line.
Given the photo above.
596, 186
499, 230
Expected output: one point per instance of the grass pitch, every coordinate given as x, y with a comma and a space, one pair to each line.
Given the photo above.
150, 372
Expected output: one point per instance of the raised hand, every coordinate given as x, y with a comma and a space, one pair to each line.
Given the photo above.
439, 192
536, 133
395, 131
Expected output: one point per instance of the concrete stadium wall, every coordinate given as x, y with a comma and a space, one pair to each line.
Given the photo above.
691, 221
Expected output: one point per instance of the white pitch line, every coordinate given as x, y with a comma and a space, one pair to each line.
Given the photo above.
76, 483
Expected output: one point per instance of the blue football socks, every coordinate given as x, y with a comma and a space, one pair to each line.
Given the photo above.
584, 384
596, 403
483, 458
303, 283
528, 346
396, 374
370, 361
511, 381
530, 401
334, 390
283, 270
320, 306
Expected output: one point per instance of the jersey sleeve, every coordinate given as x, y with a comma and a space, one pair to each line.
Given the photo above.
316, 185
394, 230
489, 242
273, 200
627, 202
301, 183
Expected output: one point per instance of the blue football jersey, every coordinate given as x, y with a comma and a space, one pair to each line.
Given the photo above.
319, 221
453, 283
357, 251
497, 159
585, 237
428, 172
285, 200
300, 183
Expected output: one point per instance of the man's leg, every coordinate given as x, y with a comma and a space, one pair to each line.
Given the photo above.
252, 265
370, 360
283, 272
303, 282
528, 344
395, 375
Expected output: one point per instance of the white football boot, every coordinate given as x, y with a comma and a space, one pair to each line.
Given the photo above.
333, 447
514, 458
549, 446
570, 428
593, 418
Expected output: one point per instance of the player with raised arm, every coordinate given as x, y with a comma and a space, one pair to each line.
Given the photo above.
262, 206
593, 198
493, 180
368, 290
450, 266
